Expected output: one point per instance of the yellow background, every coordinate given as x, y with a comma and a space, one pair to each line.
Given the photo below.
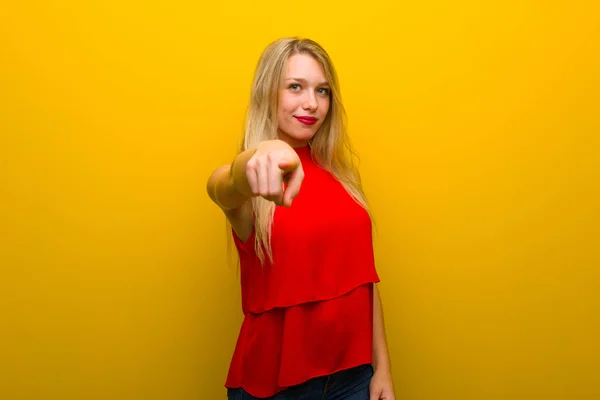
477, 123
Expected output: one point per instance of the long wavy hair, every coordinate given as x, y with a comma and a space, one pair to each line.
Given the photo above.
330, 146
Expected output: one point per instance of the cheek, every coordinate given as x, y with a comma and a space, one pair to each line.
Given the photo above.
286, 104
282, 110
324, 106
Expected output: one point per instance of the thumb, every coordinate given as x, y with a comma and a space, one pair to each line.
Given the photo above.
373, 393
287, 165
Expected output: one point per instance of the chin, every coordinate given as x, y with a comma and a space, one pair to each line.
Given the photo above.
298, 136
303, 135
297, 131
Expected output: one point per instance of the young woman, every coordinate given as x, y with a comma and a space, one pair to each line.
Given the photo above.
313, 324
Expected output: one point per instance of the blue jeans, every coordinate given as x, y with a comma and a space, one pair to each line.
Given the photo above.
350, 384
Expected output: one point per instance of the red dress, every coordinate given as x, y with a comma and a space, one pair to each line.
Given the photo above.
310, 312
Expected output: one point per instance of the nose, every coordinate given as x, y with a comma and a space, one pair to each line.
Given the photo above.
310, 102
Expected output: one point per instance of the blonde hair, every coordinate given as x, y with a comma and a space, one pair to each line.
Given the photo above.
330, 146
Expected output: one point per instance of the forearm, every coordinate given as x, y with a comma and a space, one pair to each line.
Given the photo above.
228, 185
381, 359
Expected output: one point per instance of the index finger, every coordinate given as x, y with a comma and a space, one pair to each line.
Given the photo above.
294, 182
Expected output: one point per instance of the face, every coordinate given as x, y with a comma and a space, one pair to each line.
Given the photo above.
303, 100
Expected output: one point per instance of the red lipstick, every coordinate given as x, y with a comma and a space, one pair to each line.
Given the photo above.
307, 120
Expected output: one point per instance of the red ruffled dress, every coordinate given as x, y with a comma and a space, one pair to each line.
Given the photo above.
310, 312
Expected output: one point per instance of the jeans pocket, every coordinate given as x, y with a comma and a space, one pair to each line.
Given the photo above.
364, 371
367, 372
235, 394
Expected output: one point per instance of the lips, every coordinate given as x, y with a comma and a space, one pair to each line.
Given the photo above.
307, 120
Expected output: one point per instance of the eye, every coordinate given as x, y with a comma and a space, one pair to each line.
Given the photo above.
324, 91
294, 86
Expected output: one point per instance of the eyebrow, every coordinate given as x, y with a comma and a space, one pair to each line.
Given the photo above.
304, 81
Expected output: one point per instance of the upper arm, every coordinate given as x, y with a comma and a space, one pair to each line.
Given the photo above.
241, 220
238, 209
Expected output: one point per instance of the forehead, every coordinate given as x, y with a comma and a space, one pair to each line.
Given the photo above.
304, 66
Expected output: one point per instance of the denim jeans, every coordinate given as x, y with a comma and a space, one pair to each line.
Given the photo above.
350, 384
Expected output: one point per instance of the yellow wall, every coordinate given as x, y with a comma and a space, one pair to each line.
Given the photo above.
478, 127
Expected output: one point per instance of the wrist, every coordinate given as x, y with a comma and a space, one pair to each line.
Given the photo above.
382, 368
381, 363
